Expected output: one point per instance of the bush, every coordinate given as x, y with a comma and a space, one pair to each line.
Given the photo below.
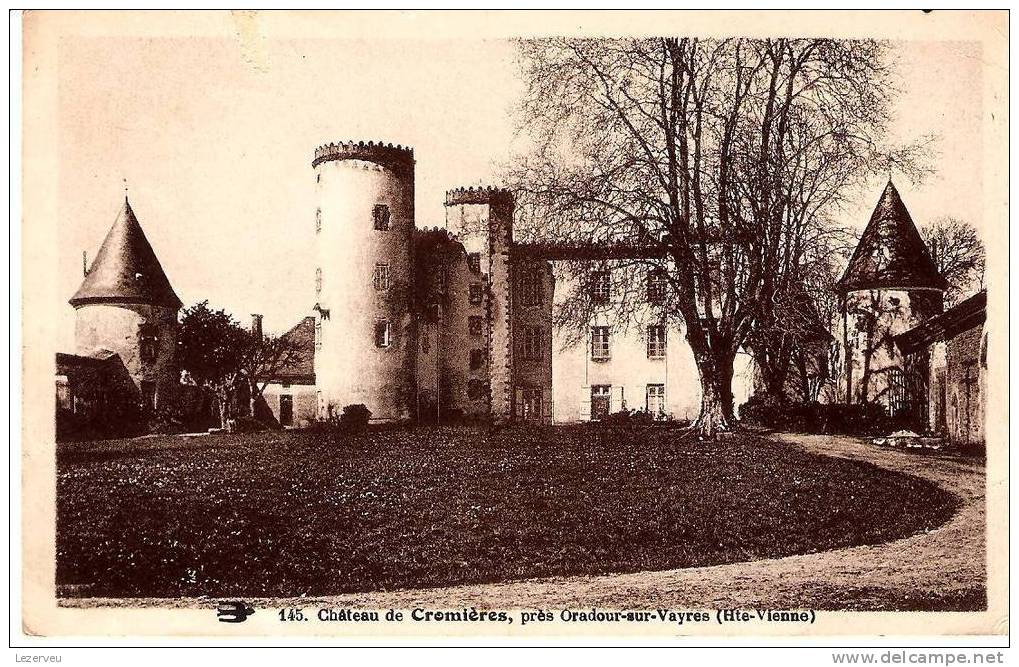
856, 419
637, 418
355, 417
247, 424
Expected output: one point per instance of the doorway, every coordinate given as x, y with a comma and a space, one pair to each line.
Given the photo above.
286, 410
601, 402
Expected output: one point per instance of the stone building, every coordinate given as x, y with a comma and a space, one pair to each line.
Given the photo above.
954, 344
291, 397
125, 334
890, 285
457, 322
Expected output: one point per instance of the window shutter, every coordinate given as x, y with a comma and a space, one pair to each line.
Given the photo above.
585, 402
618, 399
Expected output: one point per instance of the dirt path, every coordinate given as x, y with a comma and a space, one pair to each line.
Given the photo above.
944, 569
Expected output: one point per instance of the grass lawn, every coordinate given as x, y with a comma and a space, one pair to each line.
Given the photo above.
285, 514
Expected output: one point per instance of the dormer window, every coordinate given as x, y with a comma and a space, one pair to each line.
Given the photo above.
380, 217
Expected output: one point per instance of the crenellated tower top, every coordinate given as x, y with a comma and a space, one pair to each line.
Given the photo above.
479, 195
395, 157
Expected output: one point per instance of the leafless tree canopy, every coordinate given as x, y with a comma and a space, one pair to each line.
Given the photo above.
730, 155
959, 255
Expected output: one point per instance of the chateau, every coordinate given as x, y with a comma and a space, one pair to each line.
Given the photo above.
457, 322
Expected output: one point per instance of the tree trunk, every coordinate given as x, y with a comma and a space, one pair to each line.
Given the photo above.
221, 398
717, 413
774, 373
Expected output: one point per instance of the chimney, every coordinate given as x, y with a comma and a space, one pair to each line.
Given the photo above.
256, 325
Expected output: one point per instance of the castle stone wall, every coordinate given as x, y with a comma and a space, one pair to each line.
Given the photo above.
119, 328
350, 368
875, 371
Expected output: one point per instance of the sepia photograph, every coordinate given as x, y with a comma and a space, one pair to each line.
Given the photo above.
514, 323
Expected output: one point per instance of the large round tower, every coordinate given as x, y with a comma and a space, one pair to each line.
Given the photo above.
364, 227
126, 306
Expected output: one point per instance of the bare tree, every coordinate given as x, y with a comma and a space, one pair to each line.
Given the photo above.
720, 157
219, 355
263, 359
959, 255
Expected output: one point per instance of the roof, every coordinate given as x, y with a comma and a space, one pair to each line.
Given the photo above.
126, 269
891, 252
99, 358
963, 316
590, 251
302, 368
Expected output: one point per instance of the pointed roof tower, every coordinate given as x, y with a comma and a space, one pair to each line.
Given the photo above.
891, 252
126, 269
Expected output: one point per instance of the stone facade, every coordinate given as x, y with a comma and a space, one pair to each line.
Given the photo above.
364, 227
890, 286
954, 344
126, 317
143, 336
458, 322
474, 310
875, 370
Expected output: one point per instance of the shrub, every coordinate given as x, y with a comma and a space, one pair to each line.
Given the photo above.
638, 418
857, 419
247, 424
355, 417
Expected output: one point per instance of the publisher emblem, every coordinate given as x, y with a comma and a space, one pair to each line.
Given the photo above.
233, 611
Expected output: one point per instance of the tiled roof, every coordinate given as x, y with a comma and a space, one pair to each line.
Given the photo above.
126, 269
963, 316
302, 369
891, 252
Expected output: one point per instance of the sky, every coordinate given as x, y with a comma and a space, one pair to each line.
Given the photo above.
214, 138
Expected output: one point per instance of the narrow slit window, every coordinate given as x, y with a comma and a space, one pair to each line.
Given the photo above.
383, 334
380, 216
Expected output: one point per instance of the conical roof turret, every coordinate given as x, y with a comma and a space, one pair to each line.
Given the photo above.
126, 269
891, 253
